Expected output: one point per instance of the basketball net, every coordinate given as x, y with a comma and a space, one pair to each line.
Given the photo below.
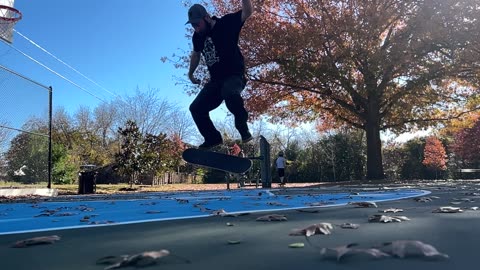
9, 16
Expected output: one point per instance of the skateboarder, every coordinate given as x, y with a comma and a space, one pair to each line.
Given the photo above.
217, 39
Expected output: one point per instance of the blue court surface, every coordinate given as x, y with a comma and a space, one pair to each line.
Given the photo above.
100, 210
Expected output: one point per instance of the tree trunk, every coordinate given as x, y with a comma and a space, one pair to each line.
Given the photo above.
374, 144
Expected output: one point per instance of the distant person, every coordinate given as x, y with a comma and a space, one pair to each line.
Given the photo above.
281, 162
217, 39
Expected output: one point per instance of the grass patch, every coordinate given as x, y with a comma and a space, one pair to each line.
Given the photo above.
72, 189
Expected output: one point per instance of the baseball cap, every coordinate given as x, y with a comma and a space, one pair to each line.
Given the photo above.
196, 13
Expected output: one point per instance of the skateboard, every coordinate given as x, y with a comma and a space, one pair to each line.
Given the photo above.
218, 161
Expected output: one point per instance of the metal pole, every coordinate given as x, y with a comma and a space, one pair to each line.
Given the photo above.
50, 137
265, 158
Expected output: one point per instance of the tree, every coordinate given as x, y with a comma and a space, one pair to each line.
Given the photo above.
466, 145
27, 158
373, 65
150, 113
435, 156
64, 170
412, 167
129, 157
105, 115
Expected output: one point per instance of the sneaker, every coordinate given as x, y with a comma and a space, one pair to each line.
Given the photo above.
208, 145
248, 137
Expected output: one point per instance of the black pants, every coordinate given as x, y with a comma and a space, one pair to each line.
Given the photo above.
211, 96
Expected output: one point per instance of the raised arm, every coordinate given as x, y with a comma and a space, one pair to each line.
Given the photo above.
247, 9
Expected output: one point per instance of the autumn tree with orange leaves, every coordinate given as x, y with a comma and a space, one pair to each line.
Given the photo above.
435, 156
374, 65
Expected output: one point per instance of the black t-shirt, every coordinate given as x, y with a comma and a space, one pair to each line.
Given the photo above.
220, 47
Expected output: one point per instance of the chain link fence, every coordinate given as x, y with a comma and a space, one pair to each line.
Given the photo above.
25, 129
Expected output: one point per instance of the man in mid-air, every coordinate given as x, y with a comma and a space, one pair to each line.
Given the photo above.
217, 39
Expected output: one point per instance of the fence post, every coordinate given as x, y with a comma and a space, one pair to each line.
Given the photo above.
50, 90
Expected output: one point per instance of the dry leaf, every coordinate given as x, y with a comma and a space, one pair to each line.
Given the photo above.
154, 212
219, 212
42, 240
140, 260
468, 200
111, 259
319, 203
386, 219
320, 228
349, 226
233, 242
448, 209
364, 204
296, 245
308, 210
272, 217
276, 204
343, 251
423, 199
101, 222
411, 248
391, 210
455, 203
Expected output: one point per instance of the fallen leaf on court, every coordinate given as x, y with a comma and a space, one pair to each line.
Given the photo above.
468, 200
233, 242
349, 226
154, 212
448, 209
101, 222
320, 228
423, 199
235, 215
343, 251
276, 204
149, 203
219, 212
272, 217
143, 259
85, 219
182, 201
296, 245
42, 240
111, 259
319, 203
412, 248
386, 219
308, 210
391, 210
364, 204
66, 214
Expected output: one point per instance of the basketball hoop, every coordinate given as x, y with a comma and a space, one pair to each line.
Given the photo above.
9, 16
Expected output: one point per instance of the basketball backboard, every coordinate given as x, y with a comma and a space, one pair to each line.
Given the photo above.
8, 17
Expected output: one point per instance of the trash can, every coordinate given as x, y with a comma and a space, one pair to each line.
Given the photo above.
87, 183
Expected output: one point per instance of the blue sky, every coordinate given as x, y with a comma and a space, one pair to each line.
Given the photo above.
116, 43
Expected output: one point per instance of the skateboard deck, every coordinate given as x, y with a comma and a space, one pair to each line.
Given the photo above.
218, 161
